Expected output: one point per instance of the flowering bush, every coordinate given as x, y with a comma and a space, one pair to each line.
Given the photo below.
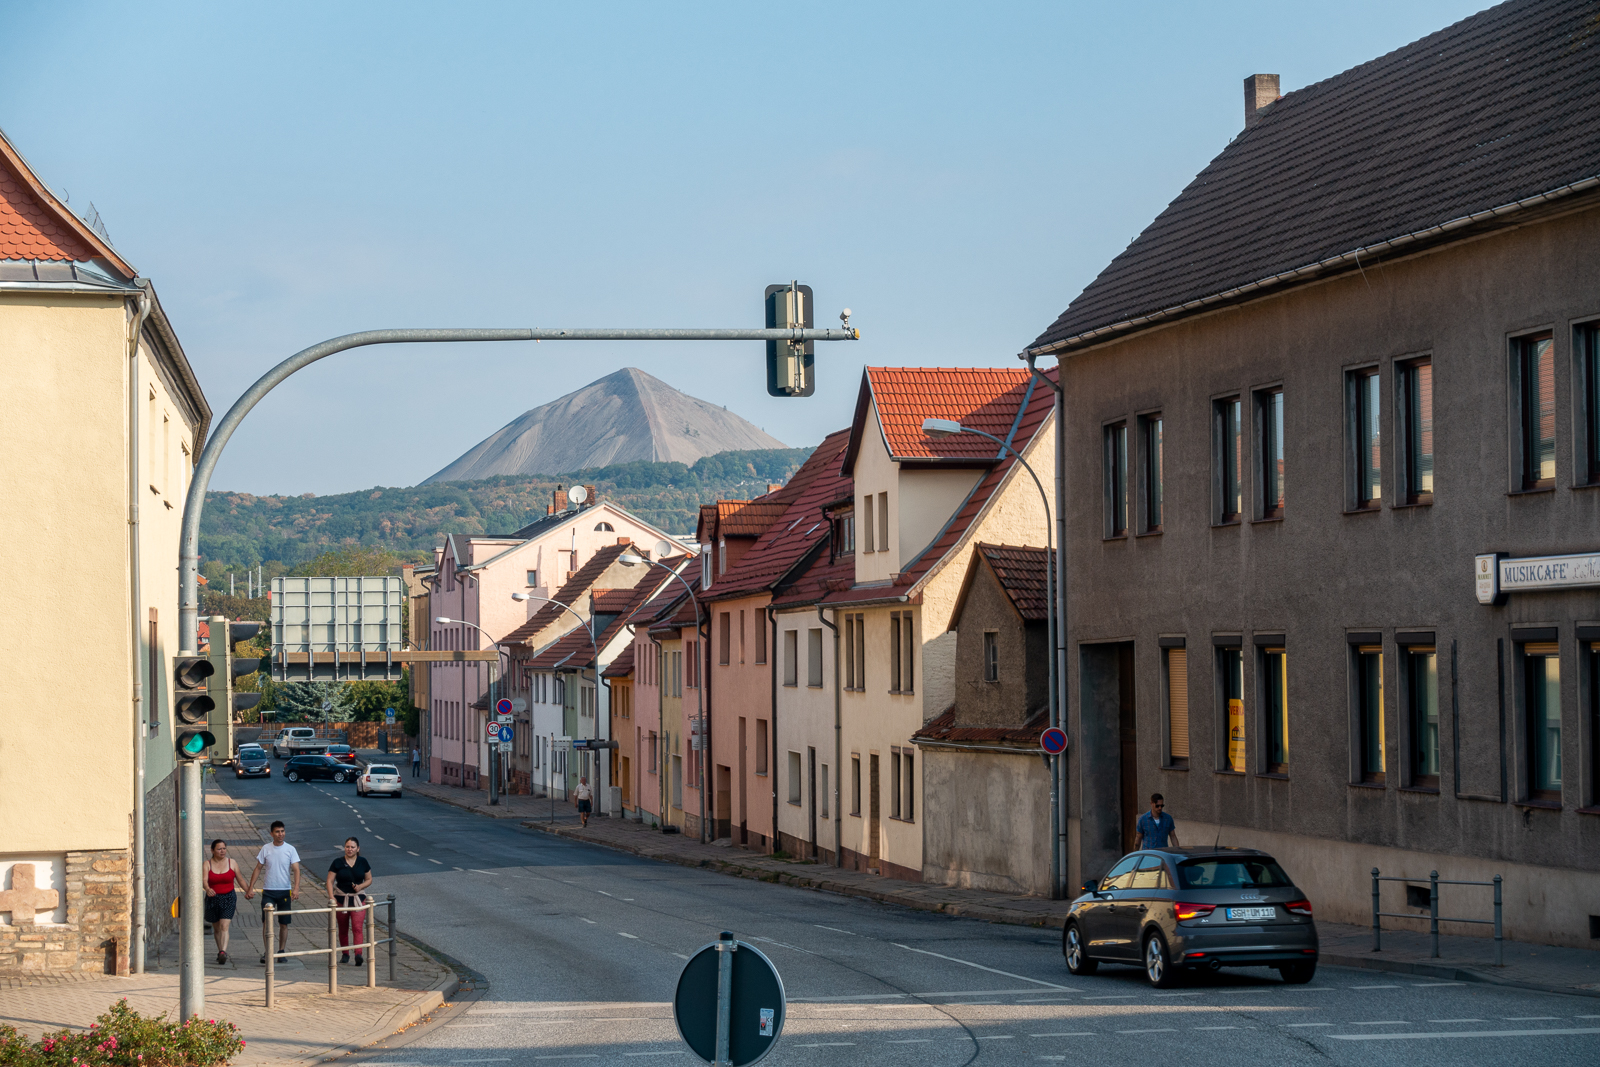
121, 1037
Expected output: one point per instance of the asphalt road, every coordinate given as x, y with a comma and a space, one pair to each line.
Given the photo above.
582, 947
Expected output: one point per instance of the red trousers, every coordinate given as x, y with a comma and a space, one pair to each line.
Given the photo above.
349, 919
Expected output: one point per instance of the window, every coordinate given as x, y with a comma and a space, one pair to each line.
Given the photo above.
901, 653
1269, 410
677, 782
1117, 480
855, 784
823, 805
705, 566
1230, 679
1369, 712
761, 640
605, 527
794, 778
814, 657
1588, 392
1536, 381
1151, 874
867, 540
883, 522
152, 693
844, 534
1364, 393
651, 751
991, 656
1422, 693
1154, 469
1177, 679
691, 655
741, 635
722, 555
1594, 721
724, 626
791, 657
894, 782
1416, 415
1228, 459
1120, 876
1541, 693
1275, 705
908, 809
855, 647
761, 746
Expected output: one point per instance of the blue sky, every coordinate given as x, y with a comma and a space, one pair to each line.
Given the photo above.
953, 173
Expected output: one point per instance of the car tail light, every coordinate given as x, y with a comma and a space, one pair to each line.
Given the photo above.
1299, 907
1194, 911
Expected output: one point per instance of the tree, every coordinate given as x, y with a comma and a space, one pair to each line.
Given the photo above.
304, 700
355, 561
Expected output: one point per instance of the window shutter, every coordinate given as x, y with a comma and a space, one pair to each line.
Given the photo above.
1178, 700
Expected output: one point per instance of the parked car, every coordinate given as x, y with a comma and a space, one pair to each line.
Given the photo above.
379, 778
314, 768
297, 741
1170, 910
252, 762
344, 754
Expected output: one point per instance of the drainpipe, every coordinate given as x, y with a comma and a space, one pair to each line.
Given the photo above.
772, 759
136, 628
838, 746
1059, 860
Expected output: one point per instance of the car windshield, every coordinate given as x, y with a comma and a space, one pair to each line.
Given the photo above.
1254, 872
378, 768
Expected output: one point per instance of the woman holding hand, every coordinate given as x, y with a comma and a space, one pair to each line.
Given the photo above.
349, 875
222, 876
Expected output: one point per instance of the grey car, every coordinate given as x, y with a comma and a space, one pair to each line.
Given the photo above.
252, 762
1169, 910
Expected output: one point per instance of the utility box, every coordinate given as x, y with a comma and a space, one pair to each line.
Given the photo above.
614, 800
337, 629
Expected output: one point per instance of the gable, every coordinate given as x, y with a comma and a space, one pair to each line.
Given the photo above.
34, 225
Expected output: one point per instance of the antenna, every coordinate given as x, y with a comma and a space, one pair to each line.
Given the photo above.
1218, 842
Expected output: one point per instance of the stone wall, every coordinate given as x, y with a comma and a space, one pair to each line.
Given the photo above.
160, 859
94, 938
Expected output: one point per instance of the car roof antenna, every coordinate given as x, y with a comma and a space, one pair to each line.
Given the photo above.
1218, 843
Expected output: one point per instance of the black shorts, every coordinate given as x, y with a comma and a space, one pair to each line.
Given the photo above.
281, 902
221, 906
583, 807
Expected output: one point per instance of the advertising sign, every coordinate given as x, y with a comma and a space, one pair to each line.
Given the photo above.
1531, 573
1236, 735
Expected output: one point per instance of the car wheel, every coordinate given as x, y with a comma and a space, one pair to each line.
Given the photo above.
338, 776
1078, 961
293, 776
1299, 972
1157, 967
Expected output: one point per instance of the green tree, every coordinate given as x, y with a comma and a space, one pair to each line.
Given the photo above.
356, 561
304, 700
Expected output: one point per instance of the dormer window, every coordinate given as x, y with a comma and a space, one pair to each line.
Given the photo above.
605, 527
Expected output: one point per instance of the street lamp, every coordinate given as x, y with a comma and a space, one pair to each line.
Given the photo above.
633, 559
588, 627
494, 761
949, 428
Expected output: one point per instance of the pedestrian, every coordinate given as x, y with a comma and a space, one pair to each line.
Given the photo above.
348, 876
583, 795
222, 898
416, 761
1156, 827
281, 885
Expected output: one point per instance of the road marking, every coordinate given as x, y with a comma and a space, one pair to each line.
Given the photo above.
1166, 1030
1433, 985
633, 936
1465, 1033
1445, 1021
410, 853
915, 996
835, 929
497, 1059
828, 1044
1385, 1022
1586, 1016
680, 955
591, 922
379, 838
1197, 994
1293, 1026
997, 1037
1530, 1019
979, 966
452, 868
393, 845
603, 893
1374, 987
475, 870
432, 860
1225, 1027
1113, 996
664, 1052
1068, 1033
572, 1056
911, 1041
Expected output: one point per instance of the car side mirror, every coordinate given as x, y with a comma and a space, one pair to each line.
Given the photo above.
1092, 888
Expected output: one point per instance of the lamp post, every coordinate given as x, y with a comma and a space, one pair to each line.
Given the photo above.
588, 628
494, 761
948, 428
633, 559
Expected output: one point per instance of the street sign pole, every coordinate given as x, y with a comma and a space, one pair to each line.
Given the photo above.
494, 754
729, 1005
726, 947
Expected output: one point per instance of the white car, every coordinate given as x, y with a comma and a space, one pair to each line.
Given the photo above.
379, 778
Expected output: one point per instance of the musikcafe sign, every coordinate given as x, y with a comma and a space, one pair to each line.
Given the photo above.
1495, 576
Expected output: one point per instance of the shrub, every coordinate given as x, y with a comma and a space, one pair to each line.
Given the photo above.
121, 1037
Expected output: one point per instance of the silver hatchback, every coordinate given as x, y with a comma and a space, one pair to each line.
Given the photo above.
379, 778
1169, 910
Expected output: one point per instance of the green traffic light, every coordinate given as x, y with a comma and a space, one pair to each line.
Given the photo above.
194, 744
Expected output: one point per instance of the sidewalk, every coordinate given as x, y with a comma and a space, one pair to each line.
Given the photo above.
510, 807
306, 1025
1463, 959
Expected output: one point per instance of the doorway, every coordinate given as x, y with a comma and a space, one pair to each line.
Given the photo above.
744, 796
1107, 764
811, 791
874, 820
724, 810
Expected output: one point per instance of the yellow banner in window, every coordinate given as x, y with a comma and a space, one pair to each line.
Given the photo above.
1236, 735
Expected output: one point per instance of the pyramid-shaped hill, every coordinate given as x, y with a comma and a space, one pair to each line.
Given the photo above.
623, 417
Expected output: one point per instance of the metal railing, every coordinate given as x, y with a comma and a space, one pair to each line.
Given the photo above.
1434, 918
366, 948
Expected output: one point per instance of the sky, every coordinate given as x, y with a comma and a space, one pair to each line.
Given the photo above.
953, 173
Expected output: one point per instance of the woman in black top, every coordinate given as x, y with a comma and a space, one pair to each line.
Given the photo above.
349, 875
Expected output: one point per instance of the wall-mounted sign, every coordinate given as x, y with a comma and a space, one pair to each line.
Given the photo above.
1533, 573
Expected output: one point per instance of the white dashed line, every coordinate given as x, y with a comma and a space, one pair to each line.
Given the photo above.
1165, 1030
393, 845
664, 1052
1374, 987
1294, 1026
1433, 985
1222, 1028
591, 922
997, 1037
1068, 1033
1464, 1033
603, 893
634, 937
475, 870
1112, 996
835, 929
916, 1041
978, 966
410, 853
1446, 1021
680, 955
1385, 1022
379, 838
1530, 1019
432, 860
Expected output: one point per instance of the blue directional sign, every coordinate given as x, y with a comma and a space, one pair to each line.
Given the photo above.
505, 735
1053, 741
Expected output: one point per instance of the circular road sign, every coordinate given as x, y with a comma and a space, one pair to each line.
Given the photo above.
502, 706
505, 735
755, 1013
1053, 741
493, 731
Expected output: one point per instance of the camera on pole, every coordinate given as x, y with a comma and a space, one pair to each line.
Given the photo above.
192, 705
790, 370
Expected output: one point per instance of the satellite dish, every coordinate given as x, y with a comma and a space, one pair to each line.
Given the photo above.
577, 494
663, 549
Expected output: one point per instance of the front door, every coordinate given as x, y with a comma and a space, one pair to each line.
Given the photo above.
1133, 906
1100, 920
874, 825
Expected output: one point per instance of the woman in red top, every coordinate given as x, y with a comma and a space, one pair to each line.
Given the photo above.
221, 876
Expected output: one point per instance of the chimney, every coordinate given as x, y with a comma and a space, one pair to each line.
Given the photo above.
549, 509
560, 500
1260, 90
773, 487
590, 499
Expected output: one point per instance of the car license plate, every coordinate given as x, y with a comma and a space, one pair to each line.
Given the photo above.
1252, 913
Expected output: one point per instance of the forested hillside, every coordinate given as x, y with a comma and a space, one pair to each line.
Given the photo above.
239, 531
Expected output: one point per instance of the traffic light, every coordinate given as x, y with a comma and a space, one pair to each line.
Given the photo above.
192, 705
226, 669
789, 363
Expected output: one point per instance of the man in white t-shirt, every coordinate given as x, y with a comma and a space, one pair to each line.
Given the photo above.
585, 798
281, 887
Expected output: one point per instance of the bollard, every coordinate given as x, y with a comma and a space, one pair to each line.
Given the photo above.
372, 946
266, 940
391, 937
1377, 934
1499, 945
333, 947
1433, 911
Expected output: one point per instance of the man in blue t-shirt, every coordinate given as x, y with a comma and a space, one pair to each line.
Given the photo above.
1156, 827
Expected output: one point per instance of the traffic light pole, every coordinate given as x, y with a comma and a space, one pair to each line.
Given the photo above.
191, 945
192, 893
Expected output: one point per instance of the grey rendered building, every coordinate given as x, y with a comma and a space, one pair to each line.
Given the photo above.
1327, 420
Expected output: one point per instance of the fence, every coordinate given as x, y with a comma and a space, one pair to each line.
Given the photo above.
366, 948
1434, 918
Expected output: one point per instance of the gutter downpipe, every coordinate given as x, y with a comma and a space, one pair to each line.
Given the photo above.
1059, 860
838, 745
136, 627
